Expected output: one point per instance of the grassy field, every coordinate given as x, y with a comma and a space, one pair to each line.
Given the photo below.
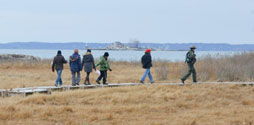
24, 74
239, 67
155, 105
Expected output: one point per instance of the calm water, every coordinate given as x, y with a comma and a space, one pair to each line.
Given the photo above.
118, 55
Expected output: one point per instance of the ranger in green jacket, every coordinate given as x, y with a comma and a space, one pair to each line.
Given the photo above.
104, 67
190, 59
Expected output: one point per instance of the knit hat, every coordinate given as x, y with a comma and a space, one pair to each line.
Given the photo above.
88, 50
148, 51
106, 54
59, 52
193, 47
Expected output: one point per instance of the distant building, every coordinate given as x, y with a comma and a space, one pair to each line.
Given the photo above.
117, 45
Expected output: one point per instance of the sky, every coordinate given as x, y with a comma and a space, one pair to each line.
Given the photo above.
150, 21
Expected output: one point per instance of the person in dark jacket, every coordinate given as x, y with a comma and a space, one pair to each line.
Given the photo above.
58, 66
76, 67
104, 67
88, 64
190, 59
146, 61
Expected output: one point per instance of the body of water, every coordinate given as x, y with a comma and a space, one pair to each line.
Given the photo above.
118, 55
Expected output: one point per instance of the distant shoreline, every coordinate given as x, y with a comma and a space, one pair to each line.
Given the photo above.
141, 46
124, 50
133, 50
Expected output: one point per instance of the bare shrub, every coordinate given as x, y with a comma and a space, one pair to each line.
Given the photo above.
238, 67
162, 70
205, 68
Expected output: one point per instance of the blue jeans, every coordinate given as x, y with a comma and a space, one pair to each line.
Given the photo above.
75, 80
59, 79
147, 72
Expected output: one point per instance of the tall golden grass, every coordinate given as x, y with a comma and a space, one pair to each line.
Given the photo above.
155, 105
238, 67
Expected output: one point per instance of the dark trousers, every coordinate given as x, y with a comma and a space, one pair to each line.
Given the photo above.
75, 80
87, 78
104, 76
191, 70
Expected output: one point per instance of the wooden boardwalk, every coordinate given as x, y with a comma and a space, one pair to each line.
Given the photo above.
49, 89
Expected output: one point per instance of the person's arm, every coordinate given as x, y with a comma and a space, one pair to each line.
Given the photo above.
53, 65
151, 60
83, 62
79, 63
99, 63
93, 62
146, 60
64, 61
70, 61
108, 66
142, 60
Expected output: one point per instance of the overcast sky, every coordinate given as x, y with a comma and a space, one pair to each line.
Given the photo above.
164, 21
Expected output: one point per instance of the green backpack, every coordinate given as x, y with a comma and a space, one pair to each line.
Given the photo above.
187, 57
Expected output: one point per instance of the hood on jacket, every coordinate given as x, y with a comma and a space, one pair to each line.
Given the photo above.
87, 53
74, 57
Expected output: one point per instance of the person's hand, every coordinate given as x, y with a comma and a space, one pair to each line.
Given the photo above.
110, 70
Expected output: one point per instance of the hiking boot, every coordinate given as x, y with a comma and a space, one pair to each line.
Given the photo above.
152, 82
89, 84
77, 84
182, 82
98, 82
141, 81
105, 83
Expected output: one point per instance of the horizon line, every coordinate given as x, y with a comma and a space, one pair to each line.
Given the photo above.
125, 42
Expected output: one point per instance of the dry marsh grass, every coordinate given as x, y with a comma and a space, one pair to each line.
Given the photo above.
238, 67
155, 105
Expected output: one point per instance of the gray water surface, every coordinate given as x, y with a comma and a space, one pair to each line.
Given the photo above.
172, 56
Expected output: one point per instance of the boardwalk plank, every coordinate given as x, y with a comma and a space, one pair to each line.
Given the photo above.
49, 89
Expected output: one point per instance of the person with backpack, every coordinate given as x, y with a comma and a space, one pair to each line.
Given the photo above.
146, 61
76, 67
88, 64
190, 59
104, 67
58, 66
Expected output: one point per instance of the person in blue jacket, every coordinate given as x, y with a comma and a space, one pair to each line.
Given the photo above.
76, 67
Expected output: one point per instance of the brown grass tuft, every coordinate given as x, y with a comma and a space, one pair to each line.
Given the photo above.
67, 109
200, 104
238, 67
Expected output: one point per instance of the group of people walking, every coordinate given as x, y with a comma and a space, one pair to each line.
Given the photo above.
190, 59
88, 64
76, 66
